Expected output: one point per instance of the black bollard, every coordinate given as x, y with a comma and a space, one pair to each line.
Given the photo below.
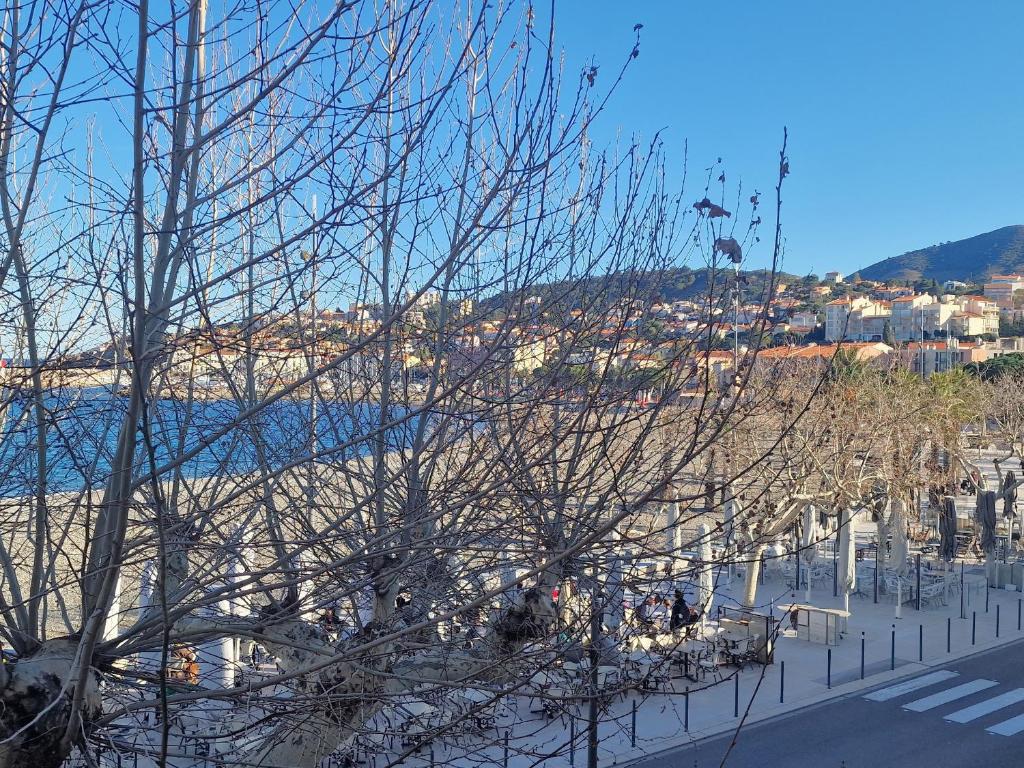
861, 655
828, 670
949, 633
782, 682
892, 650
875, 575
974, 625
632, 735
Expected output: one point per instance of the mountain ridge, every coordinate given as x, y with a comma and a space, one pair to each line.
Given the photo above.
970, 259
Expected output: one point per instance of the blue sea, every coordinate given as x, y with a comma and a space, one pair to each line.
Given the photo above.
83, 425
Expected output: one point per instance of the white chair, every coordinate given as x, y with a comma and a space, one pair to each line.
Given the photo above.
742, 652
897, 588
933, 593
709, 662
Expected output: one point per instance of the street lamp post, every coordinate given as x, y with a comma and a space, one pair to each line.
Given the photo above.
311, 363
730, 523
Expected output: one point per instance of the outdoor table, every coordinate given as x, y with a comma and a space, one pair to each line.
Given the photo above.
690, 652
708, 632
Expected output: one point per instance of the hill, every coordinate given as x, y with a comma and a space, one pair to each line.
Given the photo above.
974, 259
663, 285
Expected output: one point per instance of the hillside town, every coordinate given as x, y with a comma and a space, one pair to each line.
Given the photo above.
404, 384
923, 328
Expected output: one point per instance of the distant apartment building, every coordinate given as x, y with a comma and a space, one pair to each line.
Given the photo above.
855, 318
938, 356
425, 300
911, 318
837, 317
975, 316
927, 357
712, 369
528, 355
936, 316
1001, 289
803, 322
908, 316
834, 277
893, 292
873, 322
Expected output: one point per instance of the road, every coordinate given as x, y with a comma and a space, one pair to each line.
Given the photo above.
968, 712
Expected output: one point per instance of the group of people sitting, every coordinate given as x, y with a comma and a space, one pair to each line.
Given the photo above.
183, 665
655, 610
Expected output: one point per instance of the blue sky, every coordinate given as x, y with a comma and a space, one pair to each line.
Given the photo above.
905, 118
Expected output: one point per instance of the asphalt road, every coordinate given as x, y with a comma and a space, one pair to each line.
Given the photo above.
985, 692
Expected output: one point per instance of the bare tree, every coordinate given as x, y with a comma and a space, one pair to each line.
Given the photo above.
351, 491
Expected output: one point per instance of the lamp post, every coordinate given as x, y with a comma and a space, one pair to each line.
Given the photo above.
311, 362
730, 523
921, 348
596, 618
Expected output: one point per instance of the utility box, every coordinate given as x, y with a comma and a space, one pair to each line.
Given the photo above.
1009, 576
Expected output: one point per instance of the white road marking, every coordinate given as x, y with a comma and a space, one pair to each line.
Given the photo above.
948, 695
986, 707
909, 686
1008, 727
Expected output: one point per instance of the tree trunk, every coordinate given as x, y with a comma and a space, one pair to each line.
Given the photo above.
753, 575
36, 705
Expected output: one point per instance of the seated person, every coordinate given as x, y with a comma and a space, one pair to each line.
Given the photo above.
645, 613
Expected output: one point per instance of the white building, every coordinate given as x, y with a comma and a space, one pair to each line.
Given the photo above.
855, 318
1002, 289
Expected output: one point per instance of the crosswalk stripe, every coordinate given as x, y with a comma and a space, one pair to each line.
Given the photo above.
908, 686
948, 695
1008, 727
986, 707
